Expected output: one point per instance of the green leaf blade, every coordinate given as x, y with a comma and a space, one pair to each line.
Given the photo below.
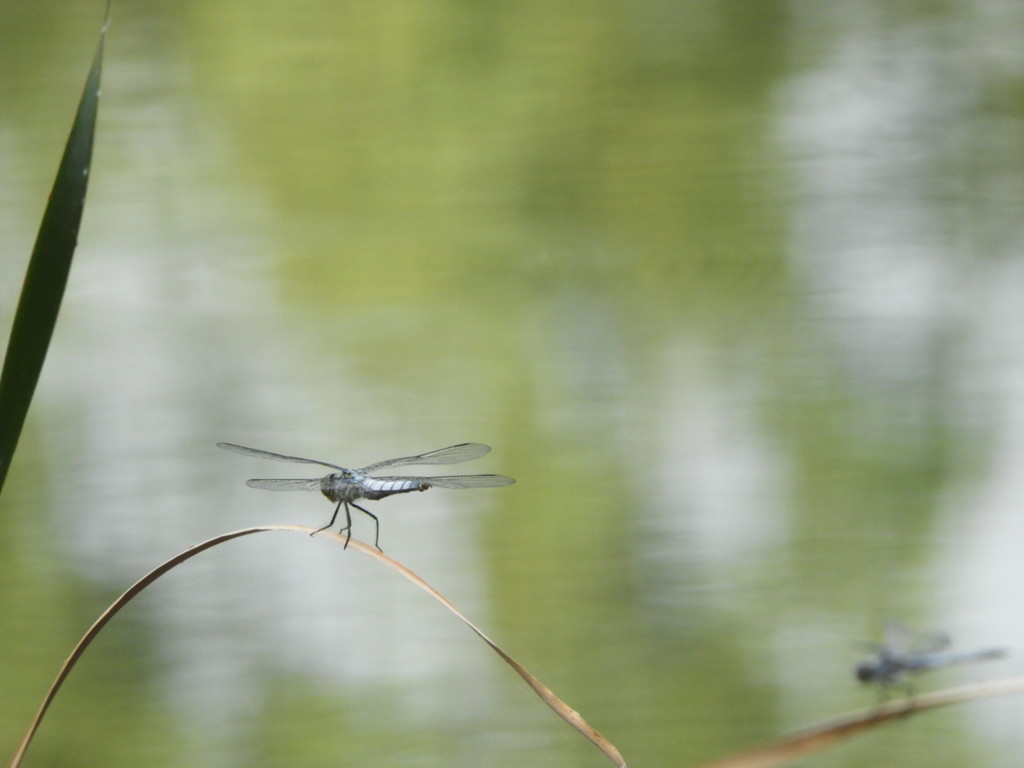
48, 269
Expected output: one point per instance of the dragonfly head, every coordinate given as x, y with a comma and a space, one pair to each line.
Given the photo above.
866, 672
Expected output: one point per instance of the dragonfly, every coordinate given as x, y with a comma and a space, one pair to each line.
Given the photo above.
347, 485
905, 652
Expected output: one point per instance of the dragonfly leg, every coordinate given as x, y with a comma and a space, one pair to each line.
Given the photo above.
376, 522
348, 525
333, 518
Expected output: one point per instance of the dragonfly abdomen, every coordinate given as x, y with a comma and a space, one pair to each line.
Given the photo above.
375, 488
937, 660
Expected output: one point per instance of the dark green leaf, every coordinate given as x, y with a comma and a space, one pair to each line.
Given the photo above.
48, 269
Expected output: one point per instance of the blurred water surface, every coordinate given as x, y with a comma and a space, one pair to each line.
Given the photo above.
734, 290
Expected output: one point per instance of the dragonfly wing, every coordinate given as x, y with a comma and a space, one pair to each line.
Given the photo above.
274, 456
279, 484
453, 454
469, 481
899, 638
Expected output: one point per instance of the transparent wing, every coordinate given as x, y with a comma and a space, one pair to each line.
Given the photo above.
899, 638
868, 647
453, 454
459, 481
274, 456
285, 485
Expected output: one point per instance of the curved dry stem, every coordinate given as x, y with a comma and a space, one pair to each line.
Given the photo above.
568, 714
830, 732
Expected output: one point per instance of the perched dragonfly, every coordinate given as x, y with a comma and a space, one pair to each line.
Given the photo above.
906, 652
347, 485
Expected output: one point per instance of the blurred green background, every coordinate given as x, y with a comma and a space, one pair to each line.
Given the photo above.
733, 288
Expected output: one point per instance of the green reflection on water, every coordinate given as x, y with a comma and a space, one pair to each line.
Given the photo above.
429, 147
519, 212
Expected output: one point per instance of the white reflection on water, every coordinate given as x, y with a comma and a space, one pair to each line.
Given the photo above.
978, 563
870, 237
723, 483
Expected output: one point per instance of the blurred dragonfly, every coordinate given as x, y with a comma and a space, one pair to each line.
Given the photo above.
347, 485
906, 652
